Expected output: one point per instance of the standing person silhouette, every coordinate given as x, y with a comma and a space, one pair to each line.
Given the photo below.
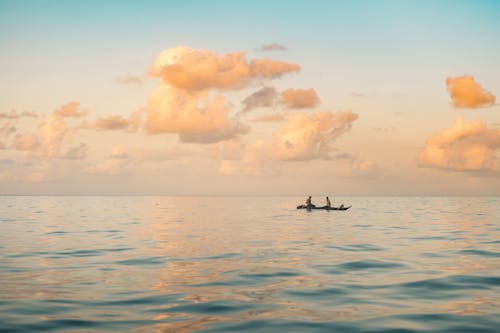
308, 202
328, 203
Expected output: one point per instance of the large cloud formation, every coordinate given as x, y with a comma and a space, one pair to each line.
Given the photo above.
307, 137
187, 99
463, 147
299, 98
189, 69
467, 93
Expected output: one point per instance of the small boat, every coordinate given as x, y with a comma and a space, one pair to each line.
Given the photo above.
311, 207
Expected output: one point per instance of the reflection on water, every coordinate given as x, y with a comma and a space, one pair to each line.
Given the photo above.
181, 264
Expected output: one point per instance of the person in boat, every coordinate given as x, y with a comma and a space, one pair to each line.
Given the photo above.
309, 202
328, 203
341, 206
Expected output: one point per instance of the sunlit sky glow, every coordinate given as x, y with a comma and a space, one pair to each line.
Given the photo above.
250, 98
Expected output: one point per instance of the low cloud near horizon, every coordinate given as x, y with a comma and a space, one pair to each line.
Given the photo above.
308, 137
463, 147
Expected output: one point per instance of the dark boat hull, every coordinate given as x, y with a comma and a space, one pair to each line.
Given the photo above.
323, 207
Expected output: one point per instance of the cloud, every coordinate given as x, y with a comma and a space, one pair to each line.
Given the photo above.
17, 115
299, 98
78, 152
70, 110
135, 120
250, 163
188, 101
119, 152
7, 129
272, 47
264, 97
271, 69
112, 123
467, 93
189, 69
463, 147
231, 131
195, 117
307, 137
129, 79
26, 142
270, 118
53, 137
116, 122
53, 132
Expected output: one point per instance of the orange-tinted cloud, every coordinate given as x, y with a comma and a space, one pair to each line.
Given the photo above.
70, 110
185, 103
112, 123
54, 136
189, 69
194, 116
299, 98
117, 122
467, 93
463, 147
307, 137
270, 69
129, 79
119, 152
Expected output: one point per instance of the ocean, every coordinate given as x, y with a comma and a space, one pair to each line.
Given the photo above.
249, 264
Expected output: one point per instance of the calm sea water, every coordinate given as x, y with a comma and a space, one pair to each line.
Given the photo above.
219, 264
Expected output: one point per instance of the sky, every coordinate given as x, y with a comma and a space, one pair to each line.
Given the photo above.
331, 98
